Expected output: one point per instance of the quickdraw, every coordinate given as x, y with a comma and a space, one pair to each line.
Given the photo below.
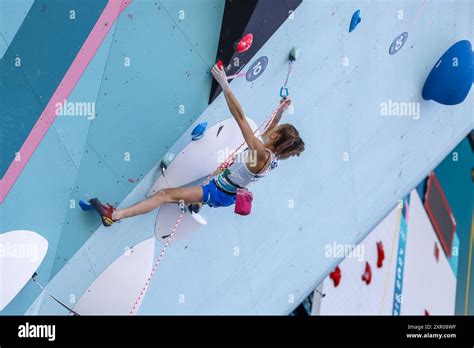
284, 92
294, 53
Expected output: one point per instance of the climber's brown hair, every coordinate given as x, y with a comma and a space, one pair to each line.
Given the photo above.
288, 142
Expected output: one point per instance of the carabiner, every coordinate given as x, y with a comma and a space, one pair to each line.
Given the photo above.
182, 205
284, 92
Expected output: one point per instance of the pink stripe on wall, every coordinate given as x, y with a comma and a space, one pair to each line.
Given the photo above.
72, 76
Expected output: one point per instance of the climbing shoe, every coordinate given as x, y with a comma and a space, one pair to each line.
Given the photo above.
104, 211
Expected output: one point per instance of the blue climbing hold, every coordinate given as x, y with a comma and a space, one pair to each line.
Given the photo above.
198, 131
451, 78
355, 20
85, 205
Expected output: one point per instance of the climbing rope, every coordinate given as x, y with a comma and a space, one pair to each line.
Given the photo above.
222, 166
157, 263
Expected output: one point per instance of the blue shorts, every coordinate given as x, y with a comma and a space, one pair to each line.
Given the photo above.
214, 197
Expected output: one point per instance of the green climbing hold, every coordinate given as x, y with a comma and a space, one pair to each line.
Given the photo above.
294, 53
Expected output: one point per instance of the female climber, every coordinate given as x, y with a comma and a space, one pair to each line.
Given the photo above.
258, 160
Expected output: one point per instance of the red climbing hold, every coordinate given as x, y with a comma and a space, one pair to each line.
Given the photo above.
220, 65
380, 254
367, 276
336, 276
245, 43
427, 313
436, 252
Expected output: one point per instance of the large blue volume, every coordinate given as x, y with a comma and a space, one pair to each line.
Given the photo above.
451, 78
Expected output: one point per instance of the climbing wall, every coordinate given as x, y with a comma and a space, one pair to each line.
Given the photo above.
144, 99
423, 281
353, 296
429, 280
258, 19
357, 164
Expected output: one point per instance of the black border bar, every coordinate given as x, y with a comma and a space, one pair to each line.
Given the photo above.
138, 330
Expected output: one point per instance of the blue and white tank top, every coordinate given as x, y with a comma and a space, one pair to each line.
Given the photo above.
238, 174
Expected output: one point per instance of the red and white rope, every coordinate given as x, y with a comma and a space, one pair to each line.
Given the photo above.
155, 267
